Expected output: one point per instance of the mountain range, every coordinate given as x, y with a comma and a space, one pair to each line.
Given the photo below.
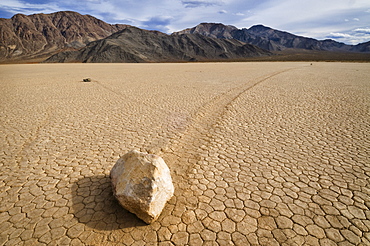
71, 37
271, 39
137, 45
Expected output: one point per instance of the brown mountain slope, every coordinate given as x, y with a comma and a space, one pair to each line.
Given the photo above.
137, 45
39, 35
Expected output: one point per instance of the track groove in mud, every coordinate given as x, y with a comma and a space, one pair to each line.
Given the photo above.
22, 154
203, 120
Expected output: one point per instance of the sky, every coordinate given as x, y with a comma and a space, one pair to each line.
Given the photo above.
346, 21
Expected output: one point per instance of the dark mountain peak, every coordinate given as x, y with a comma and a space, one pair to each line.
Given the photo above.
265, 31
260, 27
214, 30
213, 25
331, 42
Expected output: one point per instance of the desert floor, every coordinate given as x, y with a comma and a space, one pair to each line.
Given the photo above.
260, 153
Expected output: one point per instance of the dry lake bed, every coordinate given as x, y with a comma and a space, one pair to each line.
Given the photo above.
260, 153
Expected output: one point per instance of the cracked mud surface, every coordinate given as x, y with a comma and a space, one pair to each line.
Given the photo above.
260, 153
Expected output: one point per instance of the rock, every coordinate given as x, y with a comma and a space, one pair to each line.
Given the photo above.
86, 80
142, 184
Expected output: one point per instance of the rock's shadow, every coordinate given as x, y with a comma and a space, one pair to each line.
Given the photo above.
95, 205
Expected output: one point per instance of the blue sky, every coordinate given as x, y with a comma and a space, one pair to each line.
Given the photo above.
345, 21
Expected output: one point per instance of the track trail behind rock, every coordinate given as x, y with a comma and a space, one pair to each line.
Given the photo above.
196, 134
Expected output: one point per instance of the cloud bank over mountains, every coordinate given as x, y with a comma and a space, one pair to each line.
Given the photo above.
345, 21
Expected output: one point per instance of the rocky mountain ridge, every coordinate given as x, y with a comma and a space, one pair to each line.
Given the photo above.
271, 39
133, 44
24, 37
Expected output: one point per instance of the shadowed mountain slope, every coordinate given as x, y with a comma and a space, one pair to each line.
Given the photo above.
362, 47
270, 39
137, 45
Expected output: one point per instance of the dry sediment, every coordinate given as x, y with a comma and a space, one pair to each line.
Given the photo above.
261, 153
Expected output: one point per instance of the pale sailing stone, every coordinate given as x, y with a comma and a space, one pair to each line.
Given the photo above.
142, 184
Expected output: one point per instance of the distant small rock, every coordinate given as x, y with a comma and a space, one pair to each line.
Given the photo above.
142, 184
86, 80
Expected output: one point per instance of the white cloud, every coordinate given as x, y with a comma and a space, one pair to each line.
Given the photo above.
157, 23
17, 6
200, 3
355, 36
362, 30
353, 39
339, 35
